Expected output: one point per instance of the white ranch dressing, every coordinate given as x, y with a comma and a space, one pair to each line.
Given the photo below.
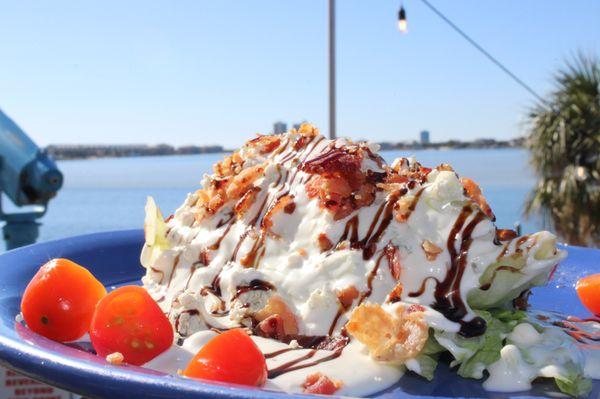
358, 373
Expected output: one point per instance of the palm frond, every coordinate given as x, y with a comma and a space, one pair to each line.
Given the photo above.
564, 142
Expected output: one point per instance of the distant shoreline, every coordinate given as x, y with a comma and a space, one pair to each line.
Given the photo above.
77, 152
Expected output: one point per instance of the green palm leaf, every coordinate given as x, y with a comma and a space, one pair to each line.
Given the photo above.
564, 141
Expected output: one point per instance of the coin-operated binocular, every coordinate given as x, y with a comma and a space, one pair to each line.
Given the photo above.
28, 177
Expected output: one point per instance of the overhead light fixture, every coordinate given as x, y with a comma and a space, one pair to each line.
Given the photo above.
402, 25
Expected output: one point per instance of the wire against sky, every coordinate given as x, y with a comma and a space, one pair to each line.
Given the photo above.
483, 51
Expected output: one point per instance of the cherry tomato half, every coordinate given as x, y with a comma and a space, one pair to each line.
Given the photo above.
231, 357
128, 321
588, 289
60, 299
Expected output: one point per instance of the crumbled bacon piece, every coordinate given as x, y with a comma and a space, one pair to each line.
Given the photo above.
347, 296
229, 166
276, 306
115, 358
402, 208
415, 308
271, 327
445, 167
396, 294
242, 206
505, 234
411, 171
319, 383
473, 191
339, 196
392, 254
204, 257
325, 243
302, 252
342, 161
244, 180
290, 208
431, 250
301, 143
333, 343
278, 206
230, 182
338, 181
306, 129
265, 144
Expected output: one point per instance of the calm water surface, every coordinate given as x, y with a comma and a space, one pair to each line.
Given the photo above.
110, 193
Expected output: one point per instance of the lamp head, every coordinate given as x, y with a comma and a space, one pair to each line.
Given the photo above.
402, 23
27, 175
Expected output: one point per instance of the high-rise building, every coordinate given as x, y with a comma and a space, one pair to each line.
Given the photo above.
297, 125
279, 127
424, 137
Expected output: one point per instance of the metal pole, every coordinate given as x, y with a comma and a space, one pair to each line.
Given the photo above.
332, 133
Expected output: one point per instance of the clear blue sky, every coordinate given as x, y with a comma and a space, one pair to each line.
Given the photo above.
217, 71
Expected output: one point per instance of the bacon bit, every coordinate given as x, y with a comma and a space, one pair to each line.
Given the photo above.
431, 250
301, 143
445, 167
415, 308
290, 208
324, 243
302, 252
229, 166
473, 191
204, 257
276, 306
333, 343
396, 294
505, 234
338, 196
404, 171
347, 296
320, 384
392, 253
229, 183
306, 129
244, 180
271, 327
389, 337
242, 206
115, 358
265, 144
402, 208
338, 181
335, 161
215, 203
279, 205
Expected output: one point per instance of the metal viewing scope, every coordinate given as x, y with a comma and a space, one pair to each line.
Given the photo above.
28, 177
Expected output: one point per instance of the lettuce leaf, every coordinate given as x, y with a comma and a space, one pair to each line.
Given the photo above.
426, 366
427, 361
549, 354
503, 280
575, 385
155, 228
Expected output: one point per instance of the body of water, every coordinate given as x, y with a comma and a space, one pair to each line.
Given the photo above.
110, 193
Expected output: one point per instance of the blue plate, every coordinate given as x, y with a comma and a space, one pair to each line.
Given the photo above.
114, 259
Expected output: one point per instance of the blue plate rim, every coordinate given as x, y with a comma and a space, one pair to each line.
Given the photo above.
31, 360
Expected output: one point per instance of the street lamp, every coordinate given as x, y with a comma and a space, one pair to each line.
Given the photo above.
332, 111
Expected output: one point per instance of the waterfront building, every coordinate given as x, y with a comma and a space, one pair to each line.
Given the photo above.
424, 136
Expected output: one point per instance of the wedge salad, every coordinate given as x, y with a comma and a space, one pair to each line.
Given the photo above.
299, 256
